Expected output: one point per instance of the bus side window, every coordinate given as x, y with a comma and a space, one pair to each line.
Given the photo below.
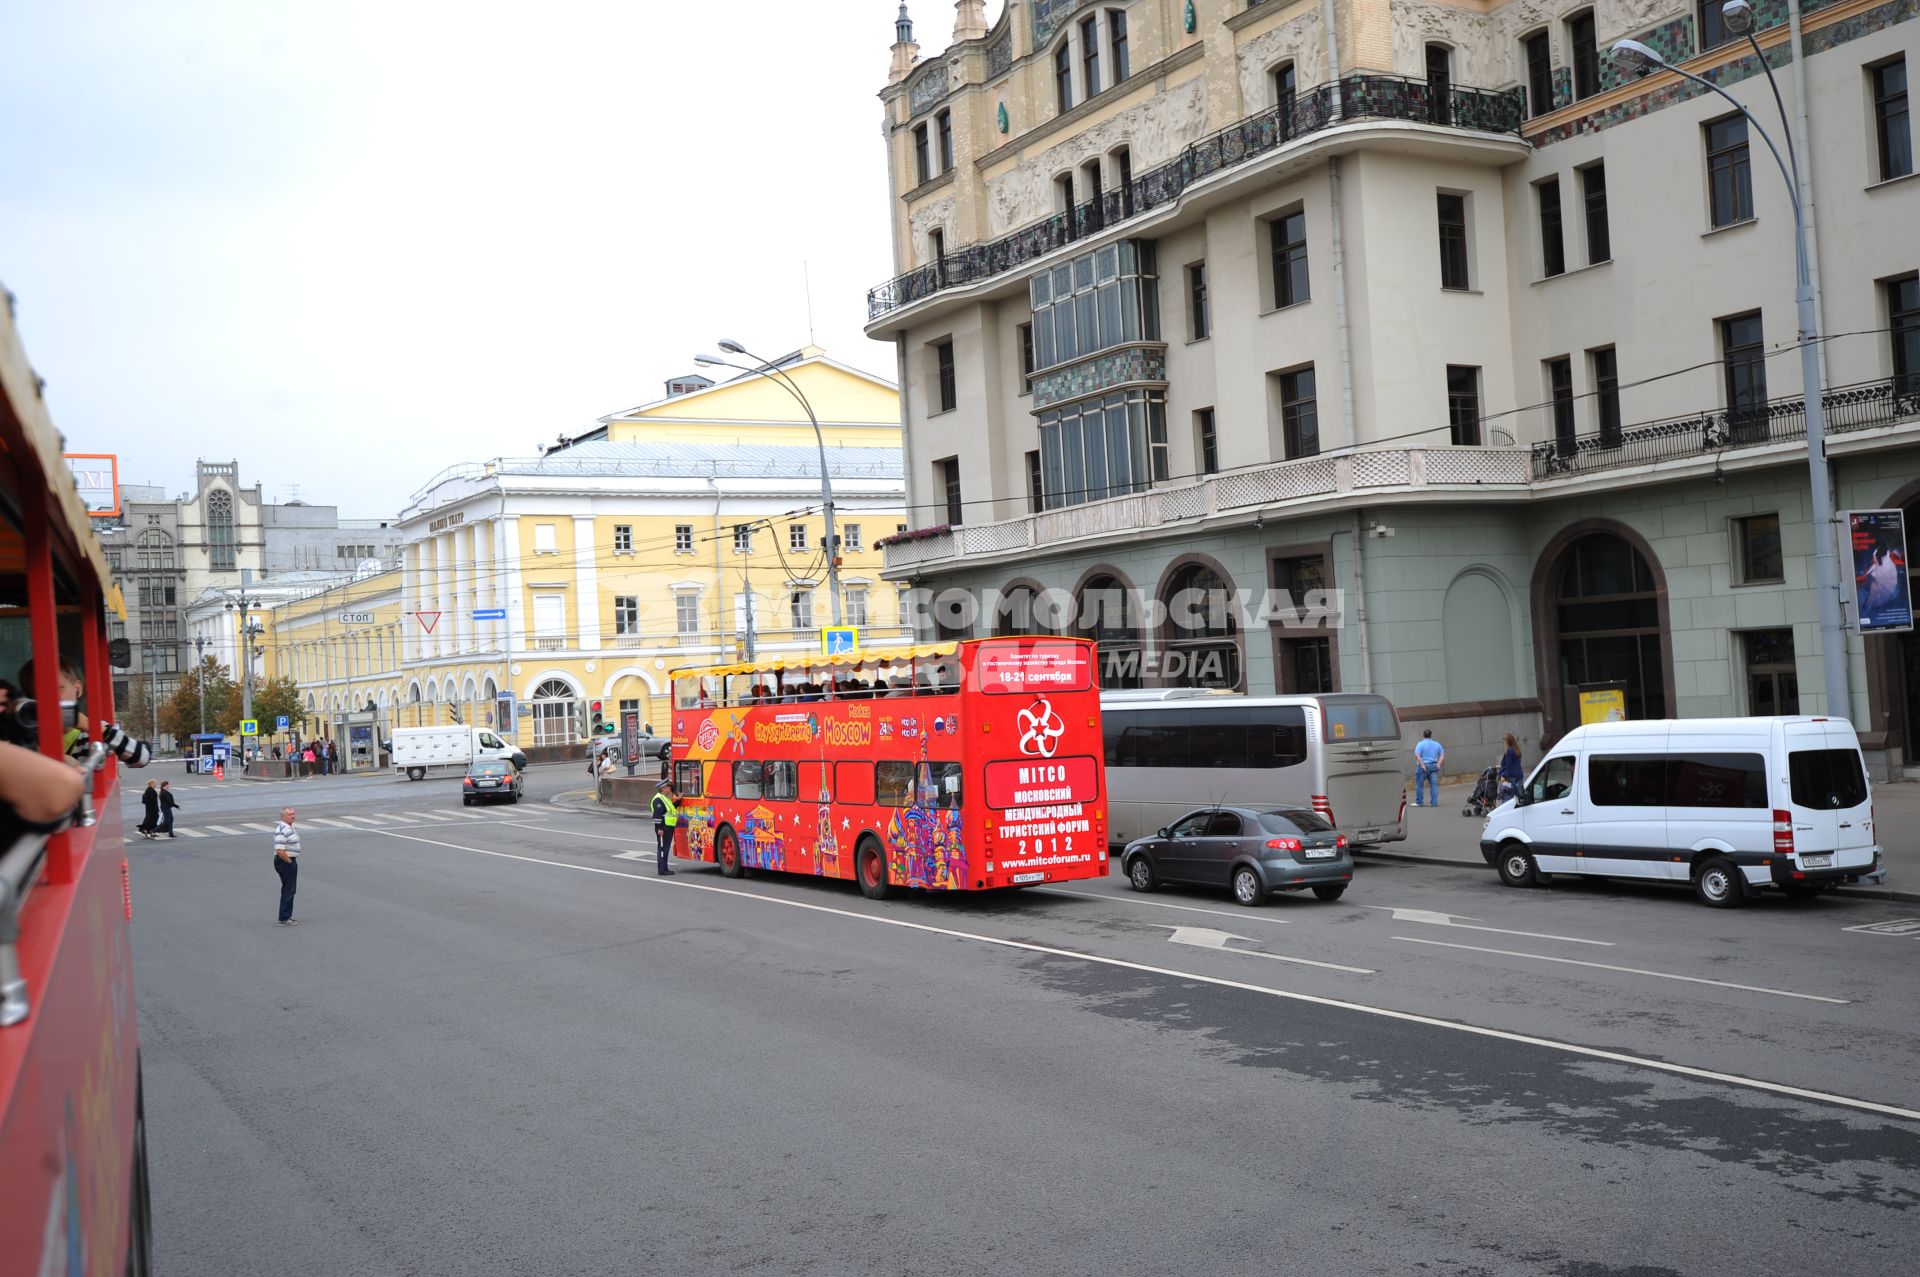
781, 781
719, 780
1277, 737
816, 782
747, 780
941, 783
1219, 737
853, 783
1115, 727
686, 779
893, 784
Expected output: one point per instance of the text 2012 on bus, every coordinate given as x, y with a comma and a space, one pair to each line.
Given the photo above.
952, 767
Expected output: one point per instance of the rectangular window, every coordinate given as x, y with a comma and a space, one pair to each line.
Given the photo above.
1729, 173
1744, 362
1826, 779
1538, 51
550, 617
1712, 25
1285, 98
1553, 248
1117, 33
1586, 55
1632, 781
1299, 416
1717, 781
687, 779
797, 536
626, 614
1199, 322
800, 609
543, 539
1289, 236
948, 393
1903, 328
946, 479
1601, 362
850, 537
1560, 386
1439, 84
1756, 541
856, 605
943, 124
686, 615
1306, 666
922, 155
1063, 77
1102, 299
1593, 190
1036, 489
623, 537
1463, 404
1453, 241
1090, 53
1206, 443
1027, 364
743, 538
893, 784
682, 539
1891, 122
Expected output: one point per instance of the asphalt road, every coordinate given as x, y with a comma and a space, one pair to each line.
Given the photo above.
496, 1046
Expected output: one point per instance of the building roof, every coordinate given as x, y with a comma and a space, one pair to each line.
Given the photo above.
708, 460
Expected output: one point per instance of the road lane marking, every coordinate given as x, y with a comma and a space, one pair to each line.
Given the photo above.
1312, 999
467, 815
222, 829
429, 815
1208, 938
259, 829
1438, 919
1891, 927
363, 820
189, 833
1158, 904
330, 824
1605, 966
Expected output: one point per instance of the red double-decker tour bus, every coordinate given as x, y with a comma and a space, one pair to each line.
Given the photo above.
73, 1164
960, 766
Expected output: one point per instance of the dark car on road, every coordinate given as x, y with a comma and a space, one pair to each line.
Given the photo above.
1252, 851
491, 780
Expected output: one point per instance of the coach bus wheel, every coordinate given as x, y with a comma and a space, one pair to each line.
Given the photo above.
727, 852
872, 865
416, 773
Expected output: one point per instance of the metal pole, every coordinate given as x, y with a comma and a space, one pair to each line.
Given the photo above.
746, 591
200, 677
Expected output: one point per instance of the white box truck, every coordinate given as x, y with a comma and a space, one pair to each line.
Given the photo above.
419, 750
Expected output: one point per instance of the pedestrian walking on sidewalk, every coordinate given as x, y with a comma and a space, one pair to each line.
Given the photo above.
1511, 770
666, 815
286, 863
150, 804
168, 805
1428, 757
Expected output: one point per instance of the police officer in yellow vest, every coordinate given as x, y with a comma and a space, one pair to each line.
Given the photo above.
666, 814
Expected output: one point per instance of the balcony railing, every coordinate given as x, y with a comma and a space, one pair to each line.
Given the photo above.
1366, 97
1858, 407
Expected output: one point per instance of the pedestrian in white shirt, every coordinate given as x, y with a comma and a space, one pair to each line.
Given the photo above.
286, 863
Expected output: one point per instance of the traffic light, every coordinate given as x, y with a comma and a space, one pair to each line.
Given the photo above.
600, 723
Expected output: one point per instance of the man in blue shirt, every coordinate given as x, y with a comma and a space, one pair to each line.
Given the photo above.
1427, 758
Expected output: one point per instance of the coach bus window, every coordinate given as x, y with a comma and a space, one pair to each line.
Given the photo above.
893, 784
1218, 737
1277, 737
853, 782
1360, 717
747, 780
780, 781
686, 779
941, 783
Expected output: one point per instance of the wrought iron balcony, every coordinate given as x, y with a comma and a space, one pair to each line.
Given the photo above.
1366, 97
1858, 407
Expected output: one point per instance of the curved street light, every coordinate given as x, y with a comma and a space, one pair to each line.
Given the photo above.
1637, 58
779, 377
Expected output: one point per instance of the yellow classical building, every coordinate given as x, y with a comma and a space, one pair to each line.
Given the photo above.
672, 534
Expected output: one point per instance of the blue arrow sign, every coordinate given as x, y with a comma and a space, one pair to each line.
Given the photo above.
490, 614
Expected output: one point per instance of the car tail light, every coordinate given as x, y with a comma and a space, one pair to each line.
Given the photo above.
1782, 833
468, 782
1340, 841
1283, 844
1325, 808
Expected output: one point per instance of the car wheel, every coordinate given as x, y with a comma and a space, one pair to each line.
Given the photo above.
727, 849
1516, 866
1332, 891
465, 801
1140, 874
1246, 886
870, 866
416, 773
1719, 884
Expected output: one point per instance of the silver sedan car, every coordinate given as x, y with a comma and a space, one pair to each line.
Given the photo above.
1252, 851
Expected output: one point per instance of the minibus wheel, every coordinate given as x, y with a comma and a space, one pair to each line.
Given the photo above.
1719, 884
1516, 866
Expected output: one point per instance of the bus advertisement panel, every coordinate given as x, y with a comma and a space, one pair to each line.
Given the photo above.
949, 767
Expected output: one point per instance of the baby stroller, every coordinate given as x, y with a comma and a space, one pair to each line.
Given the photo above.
1486, 794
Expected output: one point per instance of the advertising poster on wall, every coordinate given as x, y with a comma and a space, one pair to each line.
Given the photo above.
1877, 541
1603, 704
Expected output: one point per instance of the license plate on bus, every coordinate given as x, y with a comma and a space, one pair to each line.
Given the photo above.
1039, 877
1816, 862
1319, 853
1366, 835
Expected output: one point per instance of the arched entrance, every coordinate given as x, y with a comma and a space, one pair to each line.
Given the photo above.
1107, 611
1600, 606
555, 713
1200, 639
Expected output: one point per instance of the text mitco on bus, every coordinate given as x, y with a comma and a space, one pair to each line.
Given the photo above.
951, 766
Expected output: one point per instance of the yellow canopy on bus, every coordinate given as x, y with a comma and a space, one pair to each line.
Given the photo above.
802, 661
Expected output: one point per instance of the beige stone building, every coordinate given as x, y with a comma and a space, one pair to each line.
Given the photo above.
1437, 306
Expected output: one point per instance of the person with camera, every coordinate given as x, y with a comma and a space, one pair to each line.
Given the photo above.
23, 715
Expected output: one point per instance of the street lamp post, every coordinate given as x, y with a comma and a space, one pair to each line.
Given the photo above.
768, 370
200, 677
1635, 56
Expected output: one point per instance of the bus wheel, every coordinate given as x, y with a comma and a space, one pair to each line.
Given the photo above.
727, 852
416, 773
871, 865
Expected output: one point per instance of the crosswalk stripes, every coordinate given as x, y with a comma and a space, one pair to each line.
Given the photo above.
222, 829
323, 821
263, 829
363, 820
429, 815
189, 833
372, 820
467, 815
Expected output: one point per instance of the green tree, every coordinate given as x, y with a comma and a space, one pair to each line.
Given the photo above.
180, 716
278, 696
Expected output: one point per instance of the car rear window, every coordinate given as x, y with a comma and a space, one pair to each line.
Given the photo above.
1359, 716
491, 769
1285, 824
1826, 779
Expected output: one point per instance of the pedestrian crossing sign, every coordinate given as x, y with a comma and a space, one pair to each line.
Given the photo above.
249, 727
839, 640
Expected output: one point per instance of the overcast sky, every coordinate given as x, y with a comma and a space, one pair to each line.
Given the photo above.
350, 243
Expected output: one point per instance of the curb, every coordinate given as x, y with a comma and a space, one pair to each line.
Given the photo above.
1851, 893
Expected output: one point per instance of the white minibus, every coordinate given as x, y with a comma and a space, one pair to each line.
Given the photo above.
1170, 751
1729, 805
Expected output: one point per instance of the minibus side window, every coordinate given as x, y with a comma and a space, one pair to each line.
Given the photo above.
1553, 780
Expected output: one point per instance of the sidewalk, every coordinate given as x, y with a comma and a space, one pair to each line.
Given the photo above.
1442, 836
